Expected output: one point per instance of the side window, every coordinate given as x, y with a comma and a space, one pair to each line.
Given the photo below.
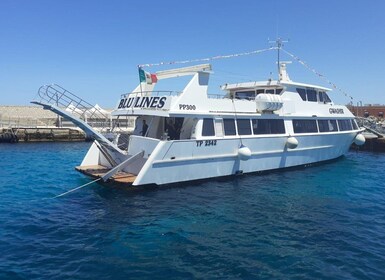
302, 93
208, 127
354, 124
277, 127
245, 95
327, 125
305, 126
261, 126
321, 96
326, 97
323, 126
229, 126
345, 125
311, 95
244, 127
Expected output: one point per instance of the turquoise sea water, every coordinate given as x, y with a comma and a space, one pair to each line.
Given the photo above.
322, 222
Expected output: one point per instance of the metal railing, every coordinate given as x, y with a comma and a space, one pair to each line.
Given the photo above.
151, 93
60, 97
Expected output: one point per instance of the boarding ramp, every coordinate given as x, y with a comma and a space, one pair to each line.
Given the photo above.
69, 106
56, 95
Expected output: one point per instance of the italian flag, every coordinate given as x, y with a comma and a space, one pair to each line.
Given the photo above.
146, 77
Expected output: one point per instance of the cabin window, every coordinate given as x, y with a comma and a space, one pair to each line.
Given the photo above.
354, 124
245, 95
326, 98
327, 125
278, 90
302, 93
261, 126
305, 126
320, 96
311, 95
277, 127
208, 127
270, 91
259, 91
244, 127
345, 125
229, 126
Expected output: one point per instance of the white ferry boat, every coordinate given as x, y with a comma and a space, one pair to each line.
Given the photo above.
191, 135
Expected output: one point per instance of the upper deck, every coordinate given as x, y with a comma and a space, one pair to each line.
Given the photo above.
285, 96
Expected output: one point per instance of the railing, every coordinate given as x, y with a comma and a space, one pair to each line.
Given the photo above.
216, 96
151, 93
60, 97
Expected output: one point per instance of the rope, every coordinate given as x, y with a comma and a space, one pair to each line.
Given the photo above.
207, 58
77, 188
236, 119
317, 73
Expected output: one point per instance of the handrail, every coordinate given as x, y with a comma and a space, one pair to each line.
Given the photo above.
151, 93
56, 95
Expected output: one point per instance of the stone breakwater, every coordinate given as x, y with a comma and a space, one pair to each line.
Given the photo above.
54, 134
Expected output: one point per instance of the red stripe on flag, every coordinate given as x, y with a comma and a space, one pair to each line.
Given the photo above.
154, 78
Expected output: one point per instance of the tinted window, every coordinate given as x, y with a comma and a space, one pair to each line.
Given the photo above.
345, 125
277, 127
270, 91
305, 126
326, 97
302, 93
260, 91
278, 90
268, 126
208, 127
229, 126
354, 124
244, 127
311, 95
320, 96
327, 125
261, 127
245, 95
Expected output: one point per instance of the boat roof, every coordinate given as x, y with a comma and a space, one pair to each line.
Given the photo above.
269, 83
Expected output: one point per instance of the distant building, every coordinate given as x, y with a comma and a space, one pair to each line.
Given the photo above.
375, 110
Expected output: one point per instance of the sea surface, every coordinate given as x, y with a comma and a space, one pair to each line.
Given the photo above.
321, 222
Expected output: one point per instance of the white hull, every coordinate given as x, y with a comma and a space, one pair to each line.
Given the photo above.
167, 162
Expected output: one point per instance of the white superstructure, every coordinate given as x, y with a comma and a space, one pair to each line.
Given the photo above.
252, 127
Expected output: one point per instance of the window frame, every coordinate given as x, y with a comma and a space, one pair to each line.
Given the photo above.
205, 122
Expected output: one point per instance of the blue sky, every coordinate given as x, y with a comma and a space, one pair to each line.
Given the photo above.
92, 48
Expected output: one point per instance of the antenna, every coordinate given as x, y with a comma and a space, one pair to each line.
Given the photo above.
279, 43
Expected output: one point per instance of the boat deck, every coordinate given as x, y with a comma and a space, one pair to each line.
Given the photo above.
97, 171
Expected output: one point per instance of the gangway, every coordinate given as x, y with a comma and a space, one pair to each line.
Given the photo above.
58, 100
60, 97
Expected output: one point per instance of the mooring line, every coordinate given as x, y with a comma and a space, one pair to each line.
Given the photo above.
82, 186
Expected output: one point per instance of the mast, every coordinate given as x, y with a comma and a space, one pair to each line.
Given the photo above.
279, 43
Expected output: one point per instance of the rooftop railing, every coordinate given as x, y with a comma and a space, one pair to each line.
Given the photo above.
151, 93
